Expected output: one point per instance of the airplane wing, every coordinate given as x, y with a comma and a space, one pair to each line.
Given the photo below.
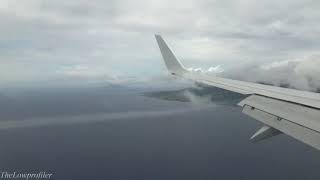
281, 110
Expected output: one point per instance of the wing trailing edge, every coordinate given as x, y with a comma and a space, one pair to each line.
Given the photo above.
299, 122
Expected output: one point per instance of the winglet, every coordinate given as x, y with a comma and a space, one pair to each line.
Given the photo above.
172, 63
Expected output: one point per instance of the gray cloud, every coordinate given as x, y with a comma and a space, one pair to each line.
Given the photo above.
61, 40
298, 74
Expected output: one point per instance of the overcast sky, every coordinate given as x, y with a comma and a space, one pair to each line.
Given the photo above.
110, 39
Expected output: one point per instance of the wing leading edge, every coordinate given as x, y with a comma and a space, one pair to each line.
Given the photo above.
281, 110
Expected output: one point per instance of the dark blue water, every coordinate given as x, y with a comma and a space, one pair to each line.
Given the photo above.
211, 143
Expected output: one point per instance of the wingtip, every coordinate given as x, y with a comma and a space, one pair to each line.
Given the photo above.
157, 36
173, 65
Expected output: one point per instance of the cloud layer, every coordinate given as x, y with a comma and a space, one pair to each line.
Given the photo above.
44, 40
298, 74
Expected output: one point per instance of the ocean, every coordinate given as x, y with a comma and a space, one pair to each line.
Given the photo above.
106, 132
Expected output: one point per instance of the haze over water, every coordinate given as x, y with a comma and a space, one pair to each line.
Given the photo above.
103, 132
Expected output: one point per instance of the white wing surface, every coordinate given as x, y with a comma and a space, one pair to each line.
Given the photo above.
281, 110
